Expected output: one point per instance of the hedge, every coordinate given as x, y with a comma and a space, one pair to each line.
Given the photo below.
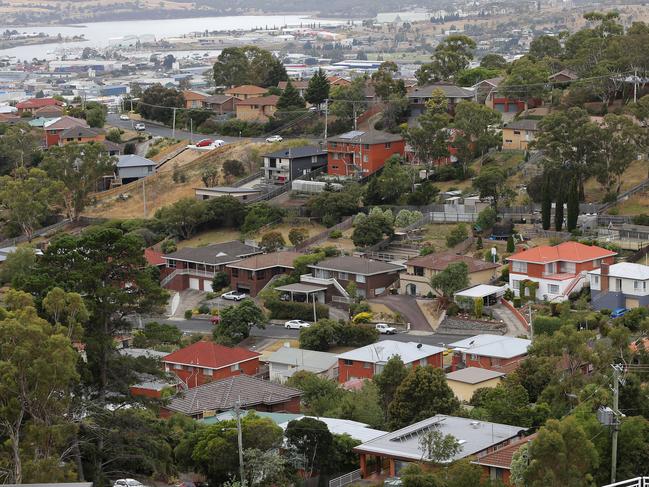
546, 325
288, 310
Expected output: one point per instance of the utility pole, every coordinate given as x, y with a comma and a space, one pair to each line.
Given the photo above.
617, 368
173, 125
635, 86
326, 118
237, 411
144, 194
191, 131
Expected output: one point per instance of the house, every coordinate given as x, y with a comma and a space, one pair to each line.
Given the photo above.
464, 382
395, 450
6, 251
418, 96
245, 92
497, 465
193, 99
372, 277
55, 127
9, 118
488, 294
556, 271
256, 109
283, 166
286, 361
563, 76
621, 285
238, 192
224, 394
518, 134
300, 85
49, 111
486, 89
366, 362
132, 167
493, 352
361, 153
81, 135
252, 274
203, 362
36, 103
338, 81
420, 270
154, 258
195, 267
220, 104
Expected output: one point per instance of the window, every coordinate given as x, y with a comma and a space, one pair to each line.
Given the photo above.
335, 168
596, 280
508, 141
418, 271
366, 365
209, 372
597, 263
366, 146
178, 367
343, 276
640, 285
360, 278
348, 362
520, 267
553, 288
495, 361
517, 132
234, 368
474, 356
333, 144
171, 263
388, 145
365, 158
251, 275
423, 362
235, 272
516, 285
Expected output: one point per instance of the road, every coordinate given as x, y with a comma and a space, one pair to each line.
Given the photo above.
279, 332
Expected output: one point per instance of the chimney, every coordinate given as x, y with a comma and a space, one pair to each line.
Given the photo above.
604, 277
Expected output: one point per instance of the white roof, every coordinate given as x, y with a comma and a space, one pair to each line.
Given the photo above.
492, 346
481, 291
384, 350
627, 270
474, 437
358, 431
306, 359
473, 375
133, 160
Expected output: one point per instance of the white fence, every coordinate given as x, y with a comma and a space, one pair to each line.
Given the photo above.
636, 482
346, 479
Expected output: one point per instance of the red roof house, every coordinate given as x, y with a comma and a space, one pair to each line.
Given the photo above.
35, 103
558, 270
497, 464
153, 257
54, 128
204, 362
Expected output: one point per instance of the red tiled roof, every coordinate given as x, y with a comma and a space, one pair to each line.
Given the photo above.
37, 103
246, 90
210, 355
502, 457
566, 251
66, 122
193, 95
261, 100
153, 257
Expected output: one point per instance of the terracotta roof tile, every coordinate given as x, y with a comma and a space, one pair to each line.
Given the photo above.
264, 261
502, 457
566, 251
209, 354
246, 90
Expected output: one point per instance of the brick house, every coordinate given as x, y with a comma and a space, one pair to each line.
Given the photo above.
372, 277
361, 153
195, 268
493, 352
256, 109
252, 274
220, 104
420, 270
418, 96
49, 111
55, 127
35, 103
621, 285
285, 165
366, 362
193, 99
204, 362
245, 92
81, 135
518, 134
222, 395
497, 465
559, 270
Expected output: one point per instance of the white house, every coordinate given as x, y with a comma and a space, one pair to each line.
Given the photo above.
622, 285
287, 361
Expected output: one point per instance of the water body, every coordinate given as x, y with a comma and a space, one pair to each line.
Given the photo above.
97, 34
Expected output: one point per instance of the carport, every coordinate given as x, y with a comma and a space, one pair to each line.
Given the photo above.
302, 292
489, 294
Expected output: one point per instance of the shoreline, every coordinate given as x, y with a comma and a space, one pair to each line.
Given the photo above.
40, 42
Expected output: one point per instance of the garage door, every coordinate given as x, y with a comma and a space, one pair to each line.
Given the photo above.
195, 283
632, 303
207, 286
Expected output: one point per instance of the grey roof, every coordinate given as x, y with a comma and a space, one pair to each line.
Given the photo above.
301, 287
297, 152
473, 375
217, 99
356, 265
132, 160
142, 352
523, 124
229, 189
79, 131
223, 394
306, 359
221, 253
366, 137
487, 345
450, 91
474, 437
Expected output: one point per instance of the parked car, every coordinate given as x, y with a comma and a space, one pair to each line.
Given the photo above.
274, 138
218, 143
384, 329
127, 483
234, 296
617, 312
204, 143
140, 127
296, 324
123, 116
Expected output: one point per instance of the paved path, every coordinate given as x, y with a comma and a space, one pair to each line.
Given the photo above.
514, 327
408, 308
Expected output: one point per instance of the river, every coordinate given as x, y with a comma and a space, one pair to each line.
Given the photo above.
97, 34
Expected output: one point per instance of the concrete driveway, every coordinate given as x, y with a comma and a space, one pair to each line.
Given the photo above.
408, 308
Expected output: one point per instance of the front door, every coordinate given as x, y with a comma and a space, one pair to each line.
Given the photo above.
411, 289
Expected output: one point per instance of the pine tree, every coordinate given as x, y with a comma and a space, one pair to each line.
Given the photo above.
318, 90
511, 248
546, 204
573, 205
558, 211
290, 99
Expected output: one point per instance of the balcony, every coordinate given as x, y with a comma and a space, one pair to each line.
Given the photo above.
559, 276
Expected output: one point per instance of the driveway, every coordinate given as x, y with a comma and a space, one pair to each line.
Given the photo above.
408, 308
514, 327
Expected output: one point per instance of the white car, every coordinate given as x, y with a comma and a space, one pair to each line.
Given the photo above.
274, 138
140, 127
127, 483
123, 116
384, 329
218, 143
296, 325
234, 296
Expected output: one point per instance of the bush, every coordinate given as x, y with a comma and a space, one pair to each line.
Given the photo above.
204, 309
458, 235
642, 219
452, 310
326, 334
335, 234
427, 250
168, 246
298, 235
221, 280
288, 310
234, 168
517, 302
546, 325
188, 314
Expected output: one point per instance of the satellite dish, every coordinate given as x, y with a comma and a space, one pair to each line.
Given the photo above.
419, 345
